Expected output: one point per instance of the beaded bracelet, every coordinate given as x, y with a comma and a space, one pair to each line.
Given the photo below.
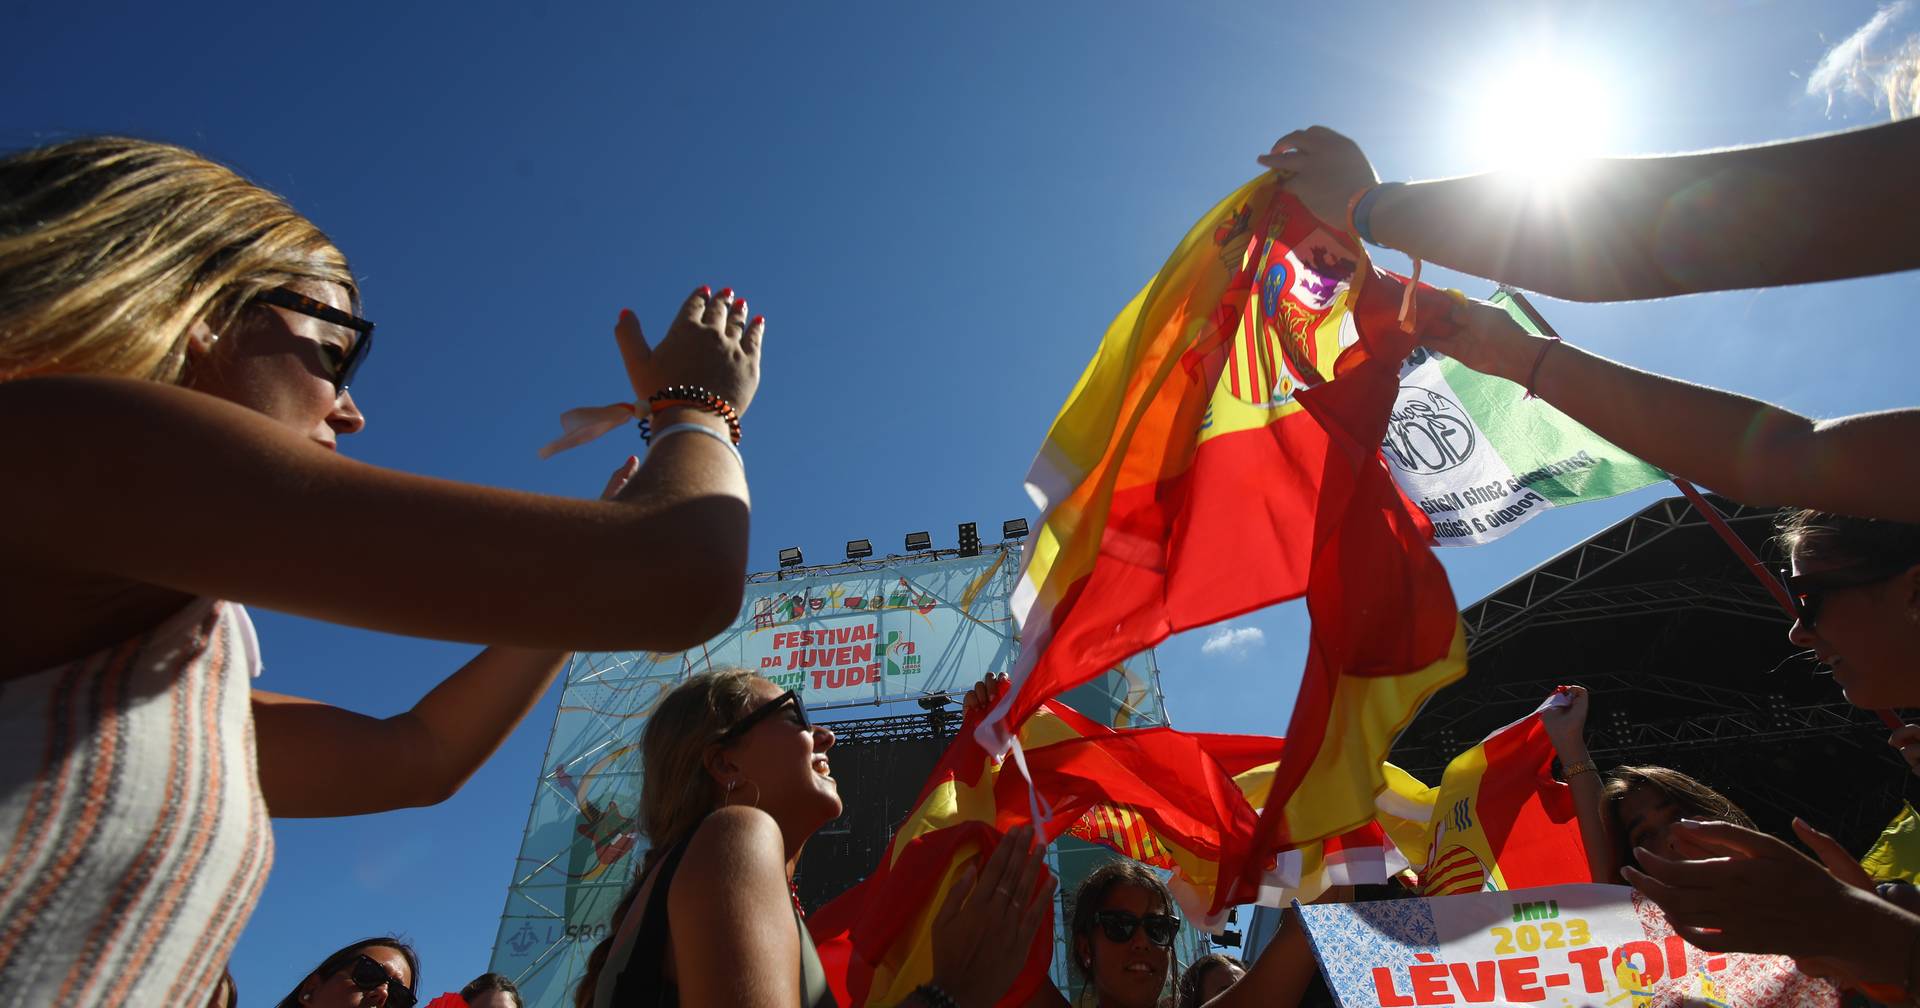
934, 997
693, 397
1584, 766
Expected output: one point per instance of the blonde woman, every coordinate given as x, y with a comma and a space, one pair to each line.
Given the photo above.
176, 350
738, 778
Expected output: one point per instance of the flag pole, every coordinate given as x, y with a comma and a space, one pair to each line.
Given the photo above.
1706, 510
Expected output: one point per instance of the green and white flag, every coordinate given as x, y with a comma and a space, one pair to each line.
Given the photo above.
1481, 459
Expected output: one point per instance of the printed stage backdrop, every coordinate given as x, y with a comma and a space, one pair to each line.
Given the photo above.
858, 635
1556, 945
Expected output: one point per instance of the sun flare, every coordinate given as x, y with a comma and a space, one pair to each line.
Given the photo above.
1538, 116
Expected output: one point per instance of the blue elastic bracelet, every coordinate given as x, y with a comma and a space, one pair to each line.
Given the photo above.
1363, 211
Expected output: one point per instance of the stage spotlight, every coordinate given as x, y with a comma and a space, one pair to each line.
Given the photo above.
969, 539
857, 548
790, 557
917, 541
1015, 529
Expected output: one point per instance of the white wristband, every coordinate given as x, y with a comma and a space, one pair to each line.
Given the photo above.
671, 429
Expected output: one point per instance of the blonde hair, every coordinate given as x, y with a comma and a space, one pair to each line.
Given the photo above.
679, 792
111, 248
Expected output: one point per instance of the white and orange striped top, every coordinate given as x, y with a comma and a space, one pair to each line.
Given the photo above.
136, 838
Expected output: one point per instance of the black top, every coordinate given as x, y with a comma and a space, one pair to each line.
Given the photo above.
639, 979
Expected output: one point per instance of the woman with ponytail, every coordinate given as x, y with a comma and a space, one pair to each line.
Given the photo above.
738, 779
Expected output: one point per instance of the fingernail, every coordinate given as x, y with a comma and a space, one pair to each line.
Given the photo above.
626, 313
758, 319
740, 305
725, 293
704, 290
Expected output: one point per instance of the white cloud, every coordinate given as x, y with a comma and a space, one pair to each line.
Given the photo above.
1871, 65
1233, 641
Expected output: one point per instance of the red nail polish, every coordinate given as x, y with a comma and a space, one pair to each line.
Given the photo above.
757, 319
726, 292
627, 313
740, 305
704, 290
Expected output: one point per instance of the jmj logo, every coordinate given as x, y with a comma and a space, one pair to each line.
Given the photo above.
1427, 433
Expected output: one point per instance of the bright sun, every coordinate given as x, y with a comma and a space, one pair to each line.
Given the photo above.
1536, 116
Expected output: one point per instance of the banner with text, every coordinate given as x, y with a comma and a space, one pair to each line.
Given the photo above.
1560, 945
1481, 458
886, 633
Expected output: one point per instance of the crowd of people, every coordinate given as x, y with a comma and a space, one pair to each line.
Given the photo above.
177, 350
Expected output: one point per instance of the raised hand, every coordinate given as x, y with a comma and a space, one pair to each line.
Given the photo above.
984, 694
985, 930
1322, 169
711, 344
1487, 339
1567, 725
1740, 890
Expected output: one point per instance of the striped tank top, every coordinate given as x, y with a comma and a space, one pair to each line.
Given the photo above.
136, 840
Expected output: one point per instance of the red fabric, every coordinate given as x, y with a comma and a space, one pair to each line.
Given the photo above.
1528, 815
1302, 505
1181, 785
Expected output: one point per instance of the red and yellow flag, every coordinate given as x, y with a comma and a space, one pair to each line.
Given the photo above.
1499, 819
1221, 453
1189, 803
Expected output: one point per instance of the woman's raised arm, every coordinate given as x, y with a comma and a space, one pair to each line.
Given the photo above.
1623, 229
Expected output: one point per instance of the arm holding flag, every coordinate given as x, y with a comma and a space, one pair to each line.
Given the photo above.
1624, 229
1747, 449
1566, 726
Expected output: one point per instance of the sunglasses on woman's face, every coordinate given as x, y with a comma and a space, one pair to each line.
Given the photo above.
1809, 590
766, 710
340, 364
367, 974
1118, 926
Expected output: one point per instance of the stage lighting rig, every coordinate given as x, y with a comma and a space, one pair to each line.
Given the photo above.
790, 557
859, 548
1014, 529
918, 542
969, 539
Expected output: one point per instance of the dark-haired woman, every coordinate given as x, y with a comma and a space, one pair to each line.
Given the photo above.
738, 778
1628, 808
372, 973
1123, 928
491, 990
1208, 978
1124, 925
1728, 887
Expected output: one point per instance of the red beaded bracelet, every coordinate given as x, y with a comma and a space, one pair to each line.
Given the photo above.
691, 397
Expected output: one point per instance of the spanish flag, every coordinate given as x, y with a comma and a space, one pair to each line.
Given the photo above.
1221, 453
1499, 819
1188, 803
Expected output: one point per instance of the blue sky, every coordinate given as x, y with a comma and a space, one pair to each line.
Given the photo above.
938, 209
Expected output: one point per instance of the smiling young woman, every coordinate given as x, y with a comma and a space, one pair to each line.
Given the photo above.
177, 347
738, 779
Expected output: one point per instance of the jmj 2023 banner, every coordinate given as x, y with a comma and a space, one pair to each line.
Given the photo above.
1556, 945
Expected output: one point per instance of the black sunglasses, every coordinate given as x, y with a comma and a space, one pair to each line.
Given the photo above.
1118, 926
343, 366
368, 974
766, 710
1808, 591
